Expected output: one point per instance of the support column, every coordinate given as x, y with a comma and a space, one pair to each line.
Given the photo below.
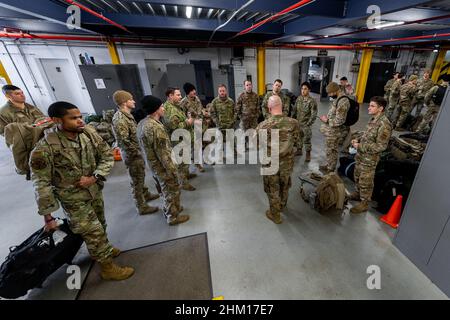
261, 69
4, 74
113, 52
363, 74
440, 62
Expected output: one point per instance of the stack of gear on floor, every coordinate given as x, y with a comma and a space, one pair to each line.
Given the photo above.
396, 170
103, 125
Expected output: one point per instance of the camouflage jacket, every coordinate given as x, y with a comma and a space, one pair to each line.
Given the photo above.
156, 144
288, 136
9, 113
305, 110
284, 99
429, 97
57, 163
338, 112
387, 87
193, 106
422, 88
407, 93
174, 118
124, 128
375, 139
222, 112
394, 93
247, 106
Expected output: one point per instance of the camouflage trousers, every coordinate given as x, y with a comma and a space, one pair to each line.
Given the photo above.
419, 107
428, 119
405, 110
136, 170
305, 138
364, 178
248, 123
390, 110
277, 189
183, 173
334, 140
168, 188
87, 218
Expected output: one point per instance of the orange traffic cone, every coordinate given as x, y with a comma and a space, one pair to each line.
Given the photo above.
393, 216
117, 155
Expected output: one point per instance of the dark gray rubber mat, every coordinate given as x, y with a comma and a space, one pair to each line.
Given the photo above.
175, 269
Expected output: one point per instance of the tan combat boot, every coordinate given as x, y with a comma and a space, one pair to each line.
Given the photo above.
111, 271
324, 169
308, 156
276, 218
179, 219
146, 209
149, 197
200, 168
354, 195
361, 207
191, 175
188, 187
298, 153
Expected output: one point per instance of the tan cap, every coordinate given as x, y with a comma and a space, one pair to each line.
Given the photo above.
121, 96
413, 77
333, 87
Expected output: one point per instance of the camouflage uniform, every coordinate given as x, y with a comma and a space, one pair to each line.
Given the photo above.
422, 88
284, 99
335, 131
193, 106
124, 127
247, 109
394, 96
372, 143
222, 112
387, 88
407, 93
156, 144
57, 164
305, 111
9, 113
432, 110
277, 186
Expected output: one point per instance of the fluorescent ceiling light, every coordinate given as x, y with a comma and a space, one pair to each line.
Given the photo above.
388, 24
188, 12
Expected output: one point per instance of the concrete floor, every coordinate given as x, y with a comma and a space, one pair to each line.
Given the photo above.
309, 256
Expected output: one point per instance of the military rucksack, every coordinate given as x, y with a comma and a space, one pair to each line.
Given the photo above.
352, 113
438, 96
21, 139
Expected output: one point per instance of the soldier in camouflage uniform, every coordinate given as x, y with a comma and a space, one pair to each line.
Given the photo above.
276, 90
192, 106
124, 128
156, 145
423, 86
333, 126
388, 85
432, 108
69, 166
277, 186
305, 112
247, 107
16, 109
394, 96
223, 110
369, 148
406, 103
174, 118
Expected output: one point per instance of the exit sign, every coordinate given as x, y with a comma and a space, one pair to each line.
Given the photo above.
322, 53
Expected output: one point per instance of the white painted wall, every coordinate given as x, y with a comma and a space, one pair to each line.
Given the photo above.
280, 63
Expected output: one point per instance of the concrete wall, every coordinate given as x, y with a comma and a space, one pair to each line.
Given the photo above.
280, 63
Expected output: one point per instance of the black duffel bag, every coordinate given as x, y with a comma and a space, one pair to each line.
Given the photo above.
30, 263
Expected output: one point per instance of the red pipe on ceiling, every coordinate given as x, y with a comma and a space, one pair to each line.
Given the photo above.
406, 38
370, 30
98, 15
186, 42
273, 17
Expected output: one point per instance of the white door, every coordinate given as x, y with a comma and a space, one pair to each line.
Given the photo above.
157, 76
60, 79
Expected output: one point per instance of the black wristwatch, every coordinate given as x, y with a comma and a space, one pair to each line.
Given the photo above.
99, 177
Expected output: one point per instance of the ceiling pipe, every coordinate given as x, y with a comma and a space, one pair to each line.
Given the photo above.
438, 35
192, 43
273, 17
370, 30
98, 15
